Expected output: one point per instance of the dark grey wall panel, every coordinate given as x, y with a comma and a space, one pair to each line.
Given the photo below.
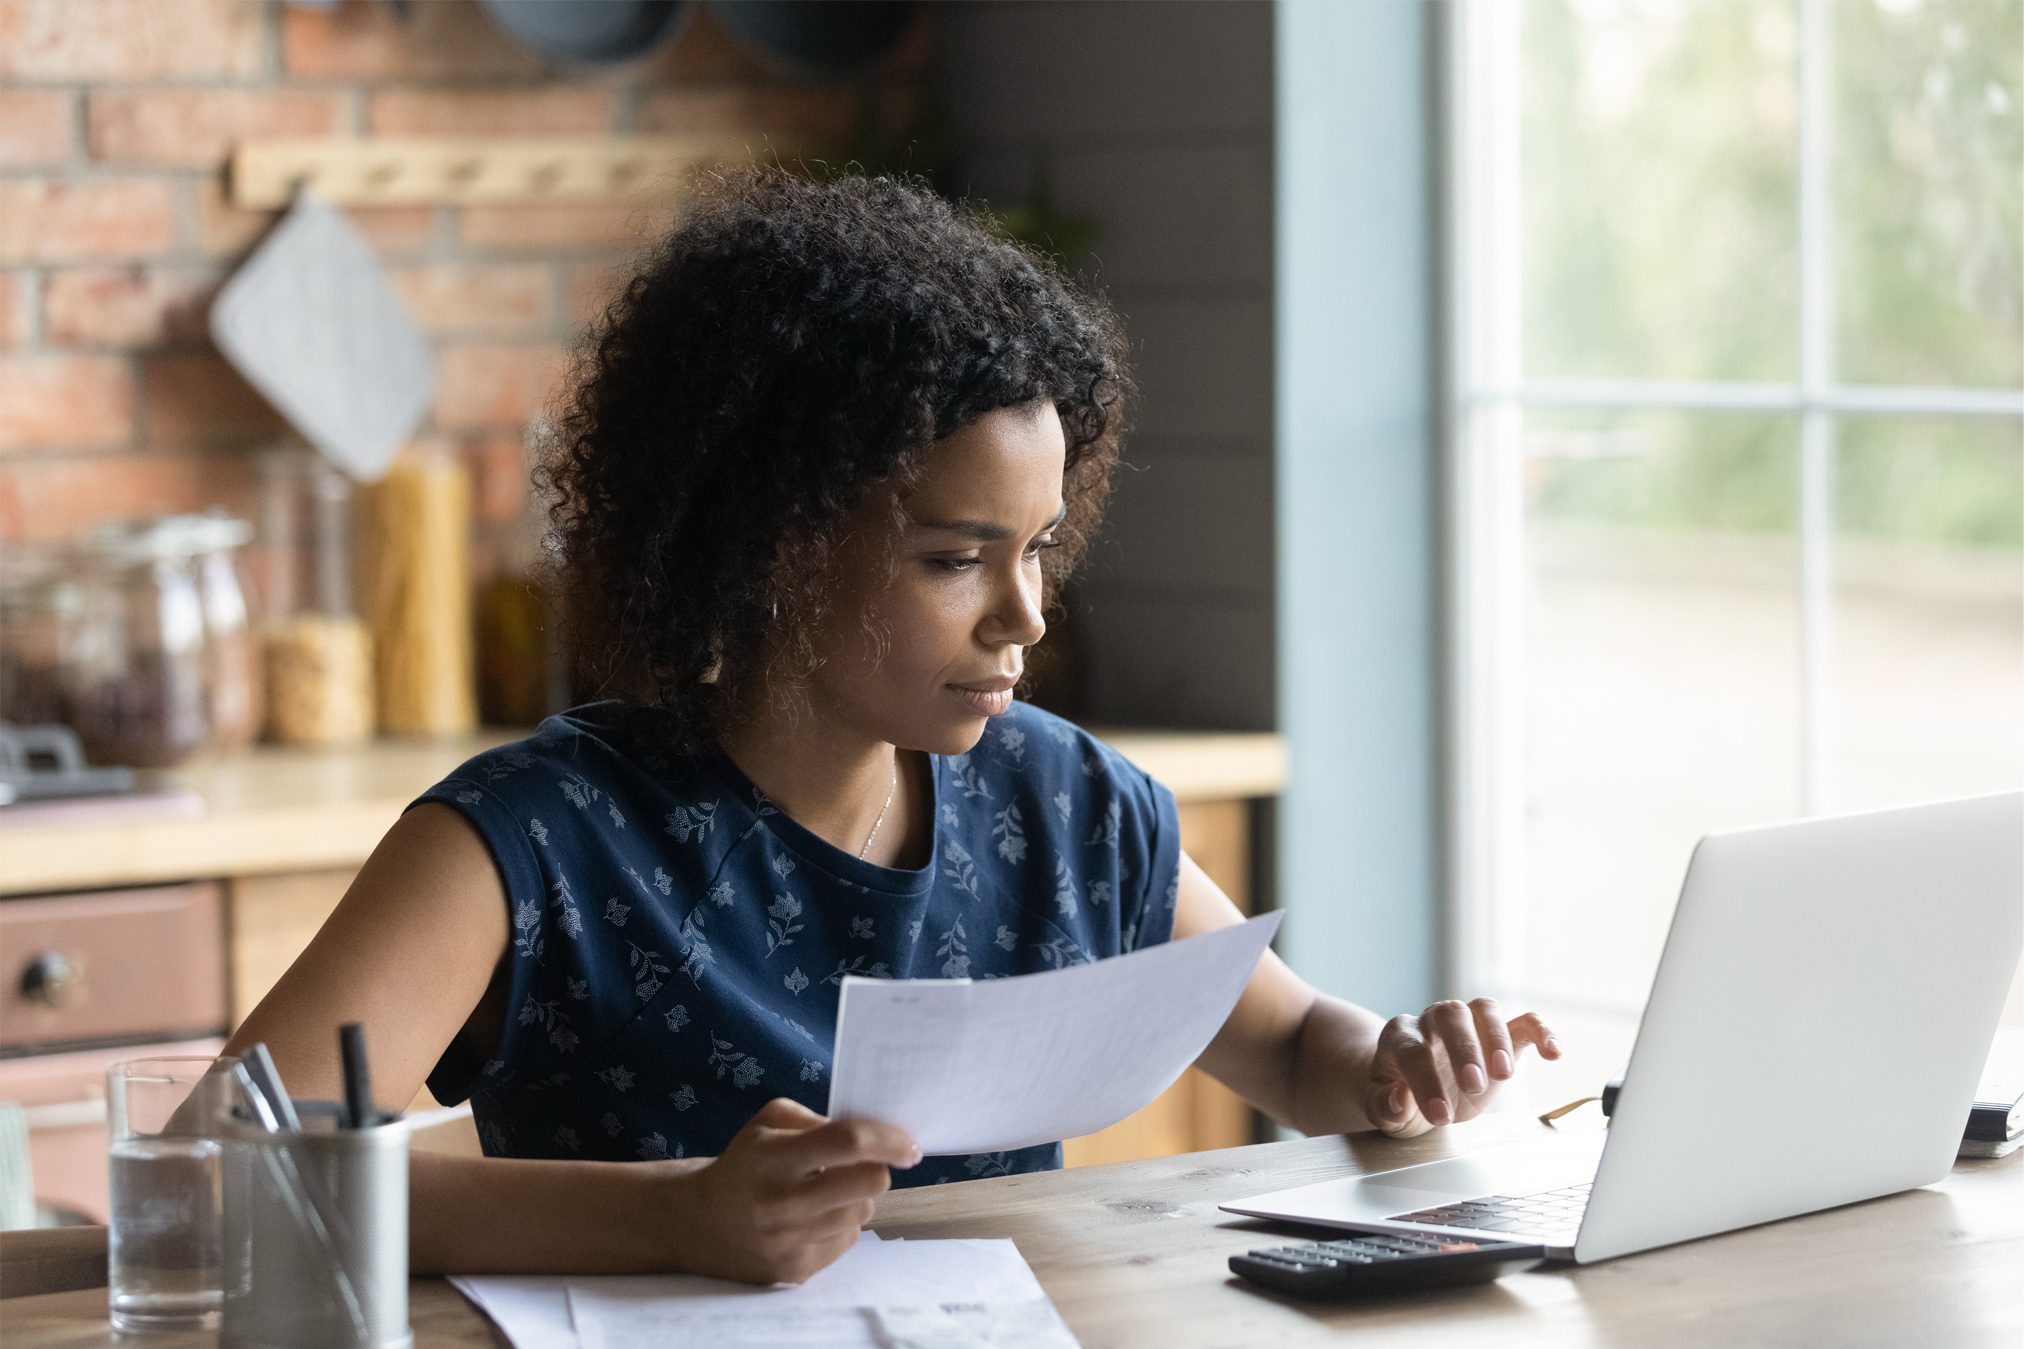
1176, 215
1155, 117
1215, 679
1193, 523
1204, 362
1097, 70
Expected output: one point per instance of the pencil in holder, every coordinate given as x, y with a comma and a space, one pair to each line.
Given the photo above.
316, 1236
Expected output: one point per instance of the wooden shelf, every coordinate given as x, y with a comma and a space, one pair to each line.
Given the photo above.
1204, 765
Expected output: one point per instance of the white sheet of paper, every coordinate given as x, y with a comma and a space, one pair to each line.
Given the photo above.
609, 1324
532, 1311
541, 1311
831, 1309
972, 1325
994, 1064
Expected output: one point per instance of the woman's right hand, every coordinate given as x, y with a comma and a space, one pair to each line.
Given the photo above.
788, 1195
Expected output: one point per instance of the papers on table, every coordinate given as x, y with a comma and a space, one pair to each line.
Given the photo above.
879, 1295
996, 1064
531, 1311
972, 1325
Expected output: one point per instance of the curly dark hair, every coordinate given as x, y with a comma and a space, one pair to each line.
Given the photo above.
791, 343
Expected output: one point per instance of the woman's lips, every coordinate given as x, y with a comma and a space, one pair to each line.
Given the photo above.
987, 698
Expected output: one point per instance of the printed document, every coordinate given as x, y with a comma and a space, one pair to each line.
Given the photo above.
878, 1295
995, 1064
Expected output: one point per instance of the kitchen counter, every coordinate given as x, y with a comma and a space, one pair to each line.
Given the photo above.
278, 810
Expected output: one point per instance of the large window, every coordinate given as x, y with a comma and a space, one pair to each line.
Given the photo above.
1737, 488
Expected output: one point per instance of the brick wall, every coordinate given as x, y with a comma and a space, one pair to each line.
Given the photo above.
116, 119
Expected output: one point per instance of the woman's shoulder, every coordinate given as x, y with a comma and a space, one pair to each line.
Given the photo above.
1031, 766
1037, 748
590, 747
1084, 835
587, 772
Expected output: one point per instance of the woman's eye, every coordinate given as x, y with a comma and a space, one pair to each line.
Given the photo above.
959, 564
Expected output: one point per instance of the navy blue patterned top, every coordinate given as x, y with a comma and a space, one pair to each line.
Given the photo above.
679, 944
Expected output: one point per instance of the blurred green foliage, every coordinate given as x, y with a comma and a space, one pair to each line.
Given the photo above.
1957, 480
1041, 225
1658, 170
1722, 471
916, 138
1660, 241
1929, 188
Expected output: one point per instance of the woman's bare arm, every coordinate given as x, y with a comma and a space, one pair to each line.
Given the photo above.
411, 952
1324, 1065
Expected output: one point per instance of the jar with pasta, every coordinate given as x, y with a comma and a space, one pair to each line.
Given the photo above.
415, 576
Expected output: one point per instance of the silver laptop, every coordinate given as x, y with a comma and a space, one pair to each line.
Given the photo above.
1821, 1014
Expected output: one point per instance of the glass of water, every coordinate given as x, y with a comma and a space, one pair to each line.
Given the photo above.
166, 1244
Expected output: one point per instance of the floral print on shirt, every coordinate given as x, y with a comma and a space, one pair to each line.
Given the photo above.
702, 981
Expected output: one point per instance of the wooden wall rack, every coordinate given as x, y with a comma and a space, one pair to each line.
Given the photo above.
412, 170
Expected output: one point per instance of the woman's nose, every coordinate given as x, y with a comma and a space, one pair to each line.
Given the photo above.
1016, 618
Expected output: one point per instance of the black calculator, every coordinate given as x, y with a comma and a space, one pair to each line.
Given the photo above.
1377, 1262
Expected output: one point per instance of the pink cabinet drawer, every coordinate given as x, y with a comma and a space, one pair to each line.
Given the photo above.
63, 1099
116, 964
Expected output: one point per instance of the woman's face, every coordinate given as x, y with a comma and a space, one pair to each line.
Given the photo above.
964, 602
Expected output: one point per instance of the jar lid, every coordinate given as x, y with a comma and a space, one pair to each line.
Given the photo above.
168, 536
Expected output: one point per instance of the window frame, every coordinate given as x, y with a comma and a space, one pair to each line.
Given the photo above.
1487, 395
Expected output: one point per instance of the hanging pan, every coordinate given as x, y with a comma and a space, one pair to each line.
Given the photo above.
816, 39
591, 32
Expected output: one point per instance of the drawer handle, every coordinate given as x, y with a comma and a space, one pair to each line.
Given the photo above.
50, 979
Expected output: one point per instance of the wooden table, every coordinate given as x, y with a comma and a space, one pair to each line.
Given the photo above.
1133, 1255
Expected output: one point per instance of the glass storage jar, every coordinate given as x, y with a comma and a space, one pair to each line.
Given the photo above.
134, 674
38, 612
231, 654
317, 654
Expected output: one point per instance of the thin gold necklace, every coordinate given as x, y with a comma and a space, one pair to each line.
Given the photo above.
882, 810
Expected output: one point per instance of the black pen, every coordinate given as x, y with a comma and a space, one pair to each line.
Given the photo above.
358, 1107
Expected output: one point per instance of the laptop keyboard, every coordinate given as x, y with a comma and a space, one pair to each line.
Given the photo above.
1553, 1216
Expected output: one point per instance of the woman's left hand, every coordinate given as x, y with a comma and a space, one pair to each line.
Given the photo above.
1439, 1067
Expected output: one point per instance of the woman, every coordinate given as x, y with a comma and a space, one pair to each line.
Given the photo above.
830, 458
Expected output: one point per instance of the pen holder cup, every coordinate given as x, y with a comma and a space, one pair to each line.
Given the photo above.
316, 1237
